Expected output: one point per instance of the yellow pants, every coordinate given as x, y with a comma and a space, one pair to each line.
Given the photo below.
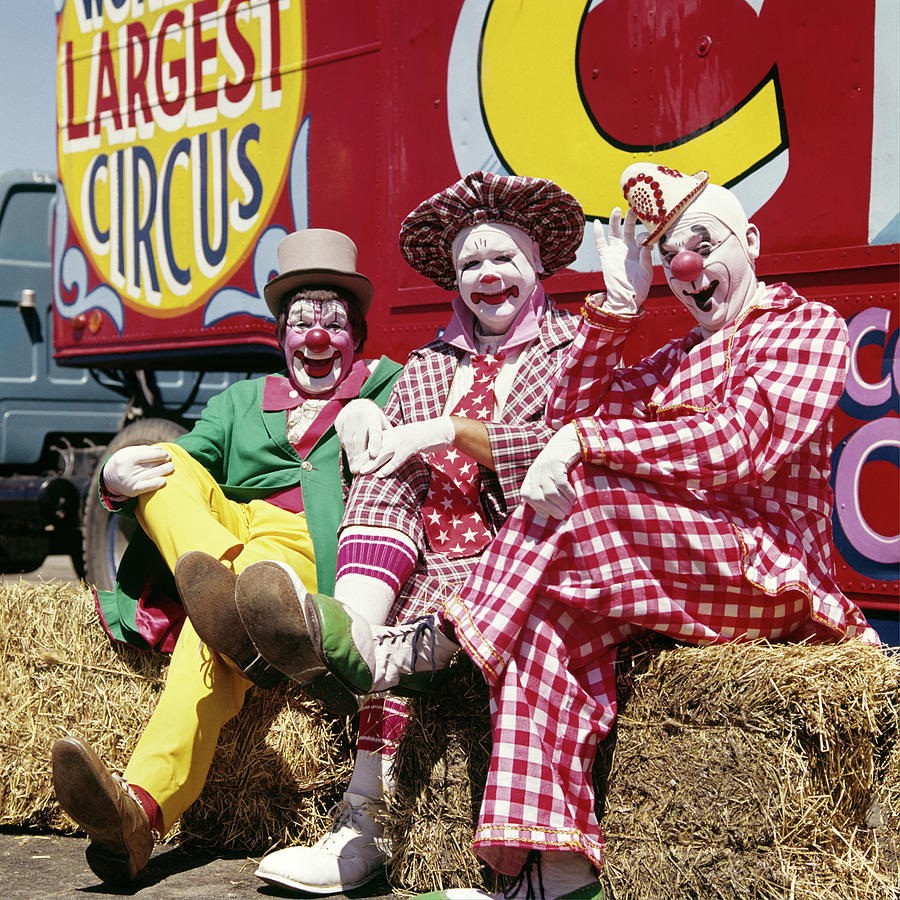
173, 756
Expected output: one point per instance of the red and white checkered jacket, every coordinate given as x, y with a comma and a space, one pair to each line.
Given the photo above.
419, 394
742, 422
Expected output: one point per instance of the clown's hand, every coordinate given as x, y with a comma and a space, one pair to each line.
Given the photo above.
627, 269
403, 441
360, 426
136, 470
547, 488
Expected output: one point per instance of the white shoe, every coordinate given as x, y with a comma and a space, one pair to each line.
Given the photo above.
350, 855
546, 875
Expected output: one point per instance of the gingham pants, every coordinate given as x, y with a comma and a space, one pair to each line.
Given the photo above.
543, 614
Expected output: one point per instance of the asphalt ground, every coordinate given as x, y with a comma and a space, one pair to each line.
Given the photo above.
36, 866
54, 567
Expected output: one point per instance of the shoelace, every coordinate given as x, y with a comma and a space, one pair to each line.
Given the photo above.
342, 816
532, 862
422, 624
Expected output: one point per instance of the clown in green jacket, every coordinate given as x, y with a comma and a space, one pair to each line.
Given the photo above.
259, 477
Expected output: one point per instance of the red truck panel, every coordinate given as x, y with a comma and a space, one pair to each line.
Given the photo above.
360, 109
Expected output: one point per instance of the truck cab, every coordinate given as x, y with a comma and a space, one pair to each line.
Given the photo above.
57, 423
53, 421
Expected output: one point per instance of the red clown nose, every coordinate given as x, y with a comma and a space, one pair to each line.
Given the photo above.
318, 340
686, 265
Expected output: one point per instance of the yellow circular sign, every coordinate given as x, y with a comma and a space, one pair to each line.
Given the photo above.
176, 124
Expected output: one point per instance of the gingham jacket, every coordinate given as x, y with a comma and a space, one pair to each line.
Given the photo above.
742, 422
706, 468
420, 393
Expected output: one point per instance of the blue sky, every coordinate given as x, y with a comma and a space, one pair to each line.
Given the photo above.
28, 79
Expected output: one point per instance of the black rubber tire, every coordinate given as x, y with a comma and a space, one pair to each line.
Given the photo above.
105, 535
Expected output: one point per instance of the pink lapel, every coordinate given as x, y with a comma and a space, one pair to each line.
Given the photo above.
348, 389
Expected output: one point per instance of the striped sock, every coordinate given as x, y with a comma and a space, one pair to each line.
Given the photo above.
386, 558
382, 721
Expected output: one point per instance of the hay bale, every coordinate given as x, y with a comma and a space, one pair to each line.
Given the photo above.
734, 771
279, 766
739, 770
440, 771
754, 768
62, 675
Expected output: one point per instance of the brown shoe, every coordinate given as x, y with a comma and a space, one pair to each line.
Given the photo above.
206, 588
267, 597
121, 840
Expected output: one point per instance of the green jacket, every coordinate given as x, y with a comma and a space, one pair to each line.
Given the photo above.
248, 453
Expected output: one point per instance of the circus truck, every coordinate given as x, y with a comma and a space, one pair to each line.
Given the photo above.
192, 136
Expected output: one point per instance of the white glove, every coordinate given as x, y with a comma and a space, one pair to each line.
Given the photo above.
401, 442
360, 426
627, 269
546, 487
135, 470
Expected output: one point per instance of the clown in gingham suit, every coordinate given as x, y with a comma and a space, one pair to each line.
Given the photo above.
687, 495
479, 390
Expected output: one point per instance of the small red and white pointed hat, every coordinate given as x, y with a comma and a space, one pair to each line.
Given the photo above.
658, 194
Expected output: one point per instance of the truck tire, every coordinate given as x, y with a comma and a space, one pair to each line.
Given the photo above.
105, 535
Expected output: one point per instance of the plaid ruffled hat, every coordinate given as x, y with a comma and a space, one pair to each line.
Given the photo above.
540, 208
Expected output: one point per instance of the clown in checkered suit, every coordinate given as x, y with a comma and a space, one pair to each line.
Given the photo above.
687, 494
439, 470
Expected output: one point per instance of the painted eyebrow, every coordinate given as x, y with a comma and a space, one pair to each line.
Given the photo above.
332, 311
701, 230
302, 307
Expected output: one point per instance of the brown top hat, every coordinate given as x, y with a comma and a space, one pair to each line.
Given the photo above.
317, 257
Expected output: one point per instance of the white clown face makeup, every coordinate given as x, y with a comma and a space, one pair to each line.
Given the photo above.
496, 271
710, 269
318, 345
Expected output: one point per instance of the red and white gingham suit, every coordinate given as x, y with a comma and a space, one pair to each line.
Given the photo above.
702, 512
420, 393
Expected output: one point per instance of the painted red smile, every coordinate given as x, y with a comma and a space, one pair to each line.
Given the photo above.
495, 299
319, 368
703, 298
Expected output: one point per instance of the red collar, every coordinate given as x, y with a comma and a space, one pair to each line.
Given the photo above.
279, 393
